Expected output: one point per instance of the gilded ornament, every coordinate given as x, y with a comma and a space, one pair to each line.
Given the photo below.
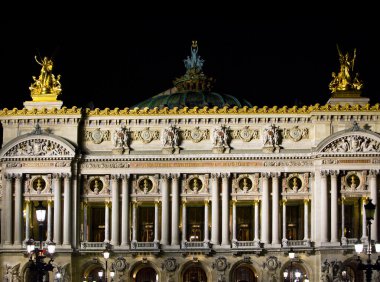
46, 88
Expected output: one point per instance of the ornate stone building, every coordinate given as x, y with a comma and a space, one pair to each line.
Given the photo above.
191, 185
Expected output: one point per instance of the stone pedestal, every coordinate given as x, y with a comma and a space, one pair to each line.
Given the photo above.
170, 150
221, 150
271, 149
40, 105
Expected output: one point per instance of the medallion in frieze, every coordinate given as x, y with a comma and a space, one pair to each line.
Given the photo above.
246, 134
296, 134
196, 134
97, 135
146, 135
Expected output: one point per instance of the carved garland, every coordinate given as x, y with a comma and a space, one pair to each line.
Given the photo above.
37, 147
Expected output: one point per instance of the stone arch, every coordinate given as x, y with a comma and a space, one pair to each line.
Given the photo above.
350, 141
38, 145
247, 264
141, 265
90, 266
189, 264
297, 264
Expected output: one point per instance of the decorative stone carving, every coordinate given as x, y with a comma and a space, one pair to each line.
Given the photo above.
12, 273
37, 147
97, 135
219, 138
196, 134
37, 184
170, 264
296, 134
354, 181
272, 263
352, 144
271, 139
195, 184
146, 135
120, 264
220, 264
295, 183
246, 134
246, 183
170, 140
97, 185
120, 141
146, 184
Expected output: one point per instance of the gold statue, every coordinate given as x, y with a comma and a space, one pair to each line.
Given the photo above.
46, 88
344, 80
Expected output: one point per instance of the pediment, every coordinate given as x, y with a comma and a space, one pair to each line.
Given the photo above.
41, 145
348, 142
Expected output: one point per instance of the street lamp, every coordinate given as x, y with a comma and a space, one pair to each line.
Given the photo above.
38, 267
368, 267
293, 274
106, 255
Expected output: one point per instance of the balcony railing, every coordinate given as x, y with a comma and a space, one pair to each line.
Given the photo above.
296, 243
245, 244
195, 245
93, 245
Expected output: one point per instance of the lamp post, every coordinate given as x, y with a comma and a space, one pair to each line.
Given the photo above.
106, 255
38, 267
293, 274
370, 209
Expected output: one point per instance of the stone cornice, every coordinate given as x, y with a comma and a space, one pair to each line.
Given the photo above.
38, 112
317, 108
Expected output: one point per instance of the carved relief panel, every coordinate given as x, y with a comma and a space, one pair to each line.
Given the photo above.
96, 185
194, 184
145, 184
246, 183
354, 181
38, 184
295, 183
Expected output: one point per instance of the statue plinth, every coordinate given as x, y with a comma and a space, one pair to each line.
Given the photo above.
170, 150
221, 150
120, 151
271, 149
43, 104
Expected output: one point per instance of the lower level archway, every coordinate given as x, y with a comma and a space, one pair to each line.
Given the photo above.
146, 274
194, 274
243, 273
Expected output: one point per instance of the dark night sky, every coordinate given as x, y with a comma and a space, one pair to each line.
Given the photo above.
120, 63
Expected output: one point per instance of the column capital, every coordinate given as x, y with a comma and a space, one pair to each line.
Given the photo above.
125, 177
164, 176
275, 174
265, 175
8, 176
225, 176
174, 176
184, 202
283, 202
66, 175
324, 173
56, 176
373, 172
115, 177
215, 175
206, 202
334, 173
305, 201
17, 176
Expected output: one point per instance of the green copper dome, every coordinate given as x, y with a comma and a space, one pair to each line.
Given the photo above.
193, 99
193, 89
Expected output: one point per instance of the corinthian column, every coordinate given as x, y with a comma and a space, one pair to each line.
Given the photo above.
265, 209
275, 213
18, 210
67, 211
115, 210
334, 207
164, 210
323, 205
125, 211
215, 210
373, 189
57, 209
225, 210
175, 210
8, 209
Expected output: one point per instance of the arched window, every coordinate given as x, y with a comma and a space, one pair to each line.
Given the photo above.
194, 274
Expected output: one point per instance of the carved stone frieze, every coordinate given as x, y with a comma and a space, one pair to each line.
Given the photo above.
105, 165
97, 135
246, 134
120, 264
37, 147
296, 134
196, 134
352, 144
220, 264
272, 263
289, 163
146, 135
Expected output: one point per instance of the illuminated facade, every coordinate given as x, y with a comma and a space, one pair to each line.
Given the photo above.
191, 185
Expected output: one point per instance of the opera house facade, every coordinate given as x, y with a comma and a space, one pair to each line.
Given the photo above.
190, 185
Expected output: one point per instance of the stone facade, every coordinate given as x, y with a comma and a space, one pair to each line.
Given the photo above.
211, 191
